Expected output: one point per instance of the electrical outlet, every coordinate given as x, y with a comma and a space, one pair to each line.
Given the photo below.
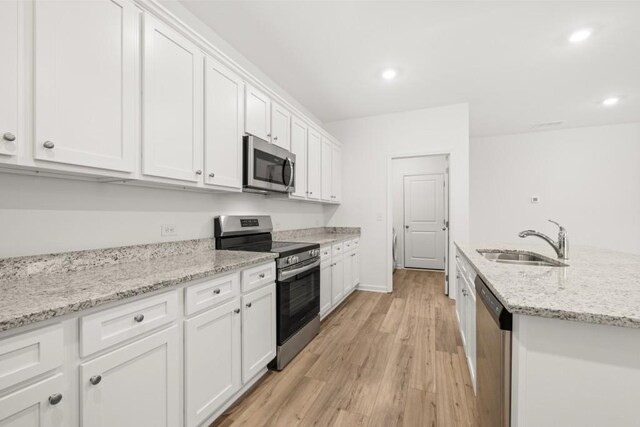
168, 230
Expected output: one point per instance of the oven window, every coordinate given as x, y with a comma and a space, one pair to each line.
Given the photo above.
298, 302
268, 168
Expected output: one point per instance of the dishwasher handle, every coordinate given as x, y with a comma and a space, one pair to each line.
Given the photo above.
502, 316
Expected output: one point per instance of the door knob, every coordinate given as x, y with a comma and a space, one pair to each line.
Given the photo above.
9, 137
406, 226
198, 172
48, 144
212, 175
139, 318
216, 291
54, 399
236, 311
248, 305
95, 380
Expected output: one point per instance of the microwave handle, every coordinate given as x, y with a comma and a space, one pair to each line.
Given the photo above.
288, 160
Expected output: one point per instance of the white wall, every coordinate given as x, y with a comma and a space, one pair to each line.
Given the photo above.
588, 179
368, 144
400, 168
43, 215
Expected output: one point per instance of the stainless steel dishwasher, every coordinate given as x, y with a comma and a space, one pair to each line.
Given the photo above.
493, 353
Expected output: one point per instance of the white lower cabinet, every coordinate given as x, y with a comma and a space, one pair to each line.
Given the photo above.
258, 330
325, 287
212, 360
337, 279
466, 312
43, 404
355, 268
135, 385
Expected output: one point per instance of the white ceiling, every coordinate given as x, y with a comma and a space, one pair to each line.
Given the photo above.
510, 61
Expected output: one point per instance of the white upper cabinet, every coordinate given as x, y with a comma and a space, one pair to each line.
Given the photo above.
257, 113
280, 126
314, 162
223, 125
9, 135
299, 148
171, 104
327, 151
336, 174
85, 83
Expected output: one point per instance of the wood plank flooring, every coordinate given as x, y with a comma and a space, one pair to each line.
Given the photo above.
379, 360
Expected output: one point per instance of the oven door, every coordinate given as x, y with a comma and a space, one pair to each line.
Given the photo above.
298, 298
268, 167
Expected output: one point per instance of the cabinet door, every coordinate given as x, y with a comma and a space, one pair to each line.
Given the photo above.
258, 330
212, 361
314, 163
9, 135
355, 268
299, 148
470, 333
44, 404
223, 125
257, 113
325, 288
348, 273
461, 307
172, 104
136, 385
337, 280
85, 88
280, 126
336, 174
327, 148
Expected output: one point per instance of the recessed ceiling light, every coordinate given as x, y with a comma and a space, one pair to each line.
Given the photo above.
580, 35
389, 74
610, 101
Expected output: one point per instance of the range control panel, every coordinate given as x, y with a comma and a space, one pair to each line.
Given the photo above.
251, 222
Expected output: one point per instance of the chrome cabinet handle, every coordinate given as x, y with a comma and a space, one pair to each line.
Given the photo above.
139, 318
8, 136
248, 305
212, 175
261, 275
48, 144
236, 311
54, 399
95, 380
216, 291
198, 172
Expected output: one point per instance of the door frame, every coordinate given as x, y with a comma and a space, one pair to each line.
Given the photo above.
389, 225
404, 216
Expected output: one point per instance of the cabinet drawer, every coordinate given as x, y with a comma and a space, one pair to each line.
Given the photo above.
210, 293
355, 242
106, 328
254, 277
337, 249
325, 253
30, 354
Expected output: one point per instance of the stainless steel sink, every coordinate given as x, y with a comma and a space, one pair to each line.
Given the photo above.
519, 257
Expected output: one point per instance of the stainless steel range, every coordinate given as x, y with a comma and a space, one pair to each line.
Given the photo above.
297, 283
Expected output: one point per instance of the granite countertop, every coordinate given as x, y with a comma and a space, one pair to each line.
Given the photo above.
64, 283
598, 286
321, 235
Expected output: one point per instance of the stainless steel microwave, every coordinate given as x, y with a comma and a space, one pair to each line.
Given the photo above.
267, 167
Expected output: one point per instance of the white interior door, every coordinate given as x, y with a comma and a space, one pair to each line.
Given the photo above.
424, 242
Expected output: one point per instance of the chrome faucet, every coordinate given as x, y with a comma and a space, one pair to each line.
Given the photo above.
561, 248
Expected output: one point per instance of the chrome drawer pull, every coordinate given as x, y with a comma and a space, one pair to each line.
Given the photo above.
54, 399
139, 318
216, 291
95, 380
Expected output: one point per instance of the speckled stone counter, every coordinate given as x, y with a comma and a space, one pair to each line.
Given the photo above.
598, 286
320, 235
42, 287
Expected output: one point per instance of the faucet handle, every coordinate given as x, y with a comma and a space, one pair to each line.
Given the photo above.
562, 229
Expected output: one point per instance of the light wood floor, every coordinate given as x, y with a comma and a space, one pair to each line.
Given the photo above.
379, 360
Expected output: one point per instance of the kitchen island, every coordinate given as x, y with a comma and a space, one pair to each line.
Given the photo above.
575, 334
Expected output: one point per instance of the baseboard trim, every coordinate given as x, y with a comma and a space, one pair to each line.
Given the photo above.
372, 288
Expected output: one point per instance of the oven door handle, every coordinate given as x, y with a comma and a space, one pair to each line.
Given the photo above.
284, 275
288, 160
